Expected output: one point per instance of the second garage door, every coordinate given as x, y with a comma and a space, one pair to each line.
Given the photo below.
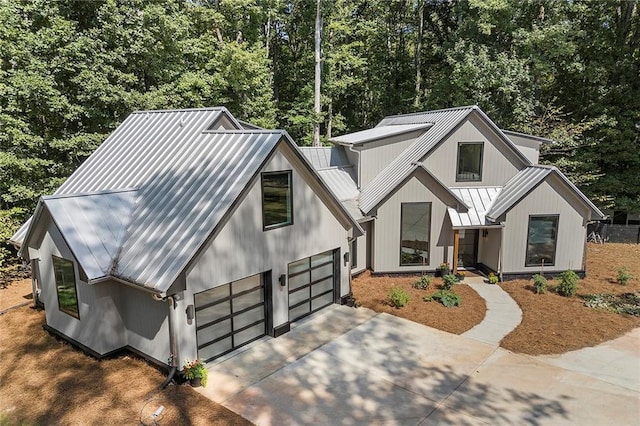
312, 283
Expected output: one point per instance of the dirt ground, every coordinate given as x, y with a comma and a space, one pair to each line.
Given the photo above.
555, 324
45, 381
372, 292
15, 293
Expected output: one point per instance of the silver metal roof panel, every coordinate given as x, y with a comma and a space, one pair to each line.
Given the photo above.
93, 226
524, 182
325, 157
341, 181
479, 200
378, 133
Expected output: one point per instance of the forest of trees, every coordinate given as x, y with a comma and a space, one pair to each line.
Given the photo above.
71, 71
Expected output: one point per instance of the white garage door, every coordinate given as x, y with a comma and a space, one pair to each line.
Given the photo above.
229, 316
311, 284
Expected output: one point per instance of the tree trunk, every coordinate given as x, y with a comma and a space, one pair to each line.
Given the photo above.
329, 118
316, 91
418, 56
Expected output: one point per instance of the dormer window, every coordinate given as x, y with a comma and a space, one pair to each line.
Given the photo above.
469, 162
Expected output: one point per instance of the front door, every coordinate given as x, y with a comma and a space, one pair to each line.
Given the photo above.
468, 249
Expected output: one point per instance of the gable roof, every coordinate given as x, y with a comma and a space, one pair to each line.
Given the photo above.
524, 182
377, 133
539, 139
445, 121
92, 225
139, 147
370, 203
184, 189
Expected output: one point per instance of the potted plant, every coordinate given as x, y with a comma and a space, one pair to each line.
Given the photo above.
444, 269
196, 372
493, 278
460, 275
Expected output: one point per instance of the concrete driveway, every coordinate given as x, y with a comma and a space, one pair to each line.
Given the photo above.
353, 366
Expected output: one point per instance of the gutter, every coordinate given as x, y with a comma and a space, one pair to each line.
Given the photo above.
357, 152
127, 283
173, 346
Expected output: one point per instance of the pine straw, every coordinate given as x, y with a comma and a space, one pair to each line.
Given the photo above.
554, 324
371, 292
45, 381
15, 293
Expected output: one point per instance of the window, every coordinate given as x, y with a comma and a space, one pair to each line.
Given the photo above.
415, 228
353, 249
276, 200
541, 240
469, 162
66, 286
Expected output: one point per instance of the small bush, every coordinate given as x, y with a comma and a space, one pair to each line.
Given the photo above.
624, 276
428, 298
448, 281
568, 283
539, 284
448, 298
398, 297
423, 283
493, 278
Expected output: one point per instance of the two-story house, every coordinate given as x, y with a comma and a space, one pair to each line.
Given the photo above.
450, 186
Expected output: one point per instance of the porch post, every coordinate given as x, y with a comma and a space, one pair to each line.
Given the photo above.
456, 243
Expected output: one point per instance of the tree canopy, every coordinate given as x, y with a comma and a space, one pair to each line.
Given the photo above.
72, 70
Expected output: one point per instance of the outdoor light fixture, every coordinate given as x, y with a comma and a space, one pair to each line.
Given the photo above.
283, 280
346, 258
190, 312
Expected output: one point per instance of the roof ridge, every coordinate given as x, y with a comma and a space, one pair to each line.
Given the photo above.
158, 111
430, 112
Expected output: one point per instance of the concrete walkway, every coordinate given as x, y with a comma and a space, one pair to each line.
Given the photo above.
503, 313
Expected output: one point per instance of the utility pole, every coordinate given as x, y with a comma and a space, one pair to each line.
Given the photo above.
316, 90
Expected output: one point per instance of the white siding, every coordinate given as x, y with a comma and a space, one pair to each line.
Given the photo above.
362, 249
242, 248
489, 248
499, 164
100, 326
529, 147
375, 156
546, 200
386, 243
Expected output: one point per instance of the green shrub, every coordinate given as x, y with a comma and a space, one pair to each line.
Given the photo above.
398, 297
423, 283
428, 298
539, 284
493, 278
568, 283
624, 276
448, 298
448, 281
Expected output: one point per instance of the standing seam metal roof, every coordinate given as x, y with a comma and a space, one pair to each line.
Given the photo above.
444, 121
479, 200
525, 181
378, 132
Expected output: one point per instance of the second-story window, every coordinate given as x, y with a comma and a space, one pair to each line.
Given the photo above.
277, 204
469, 162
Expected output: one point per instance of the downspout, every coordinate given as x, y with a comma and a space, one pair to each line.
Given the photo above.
173, 347
357, 152
501, 253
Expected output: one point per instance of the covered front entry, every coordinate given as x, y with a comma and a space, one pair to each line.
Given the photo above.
312, 283
230, 316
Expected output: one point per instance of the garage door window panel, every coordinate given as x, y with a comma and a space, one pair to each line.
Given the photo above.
312, 288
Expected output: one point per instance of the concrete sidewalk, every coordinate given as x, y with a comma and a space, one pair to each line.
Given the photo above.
503, 313
381, 369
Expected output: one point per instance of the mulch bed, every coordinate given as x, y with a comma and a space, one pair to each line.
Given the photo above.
555, 324
371, 292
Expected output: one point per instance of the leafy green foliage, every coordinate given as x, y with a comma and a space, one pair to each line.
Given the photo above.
447, 297
493, 278
539, 284
398, 297
568, 284
422, 283
196, 369
448, 281
627, 303
624, 276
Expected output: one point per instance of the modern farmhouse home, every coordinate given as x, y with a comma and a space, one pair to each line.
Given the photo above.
188, 234
184, 236
450, 186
